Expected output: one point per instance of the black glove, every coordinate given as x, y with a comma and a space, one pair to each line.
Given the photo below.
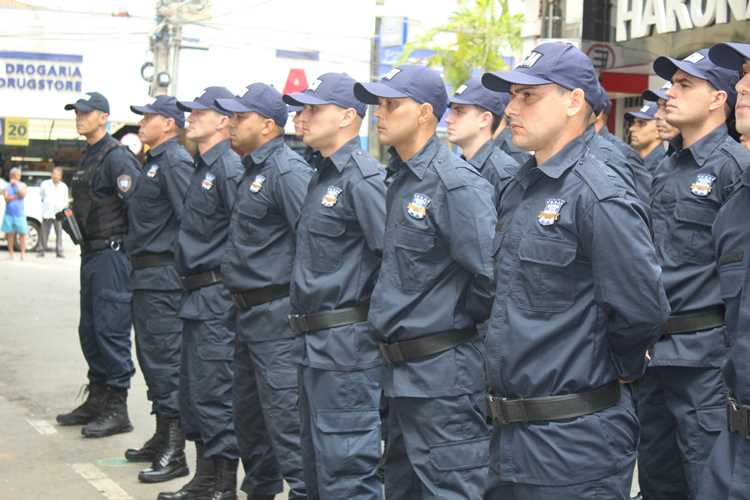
70, 225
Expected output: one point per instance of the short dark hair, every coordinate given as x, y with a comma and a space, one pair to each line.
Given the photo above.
496, 119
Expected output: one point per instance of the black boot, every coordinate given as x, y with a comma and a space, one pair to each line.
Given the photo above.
89, 410
113, 419
225, 487
202, 483
170, 462
150, 448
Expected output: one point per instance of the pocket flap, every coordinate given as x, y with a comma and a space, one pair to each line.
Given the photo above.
253, 210
339, 422
713, 419
165, 325
548, 252
113, 296
694, 213
417, 241
469, 454
731, 278
327, 227
282, 379
215, 352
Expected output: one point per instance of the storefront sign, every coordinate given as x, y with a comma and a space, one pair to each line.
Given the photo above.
636, 17
40, 72
14, 131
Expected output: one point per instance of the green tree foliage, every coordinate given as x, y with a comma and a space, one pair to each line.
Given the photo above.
475, 36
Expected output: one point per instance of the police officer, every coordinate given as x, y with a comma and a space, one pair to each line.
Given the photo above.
474, 114
644, 137
434, 287
667, 132
727, 473
681, 399
257, 268
207, 309
579, 303
154, 218
503, 138
339, 246
100, 189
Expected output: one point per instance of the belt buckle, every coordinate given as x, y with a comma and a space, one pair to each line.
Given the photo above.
391, 352
297, 323
115, 245
239, 299
497, 410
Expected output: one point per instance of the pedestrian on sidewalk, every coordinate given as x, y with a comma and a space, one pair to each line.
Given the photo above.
54, 193
14, 221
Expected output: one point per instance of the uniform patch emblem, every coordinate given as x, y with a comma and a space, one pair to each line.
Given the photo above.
208, 181
703, 185
331, 197
530, 60
391, 74
551, 212
417, 207
460, 90
257, 184
124, 182
152, 171
694, 58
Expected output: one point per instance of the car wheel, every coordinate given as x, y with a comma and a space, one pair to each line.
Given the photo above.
32, 235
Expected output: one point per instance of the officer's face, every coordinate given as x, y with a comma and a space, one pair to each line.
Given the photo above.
203, 123
742, 108
643, 133
152, 128
666, 131
299, 129
690, 100
246, 131
537, 115
89, 122
320, 124
466, 123
398, 119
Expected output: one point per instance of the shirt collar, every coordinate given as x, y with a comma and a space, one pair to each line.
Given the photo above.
566, 158
213, 154
419, 162
261, 154
480, 157
658, 152
703, 149
341, 157
160, 148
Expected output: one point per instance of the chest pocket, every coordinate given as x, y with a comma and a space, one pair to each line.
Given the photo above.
251, 213
148, 188
202, 207
414, 251
545, 279
324, 238
692, 232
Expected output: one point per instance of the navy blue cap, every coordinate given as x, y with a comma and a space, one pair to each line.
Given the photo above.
731, 55
207, 100
259, 98
647, 112
420, 83
474, 93
699, 65
330, 88
163, 105
94, 101
553, 62
655, 95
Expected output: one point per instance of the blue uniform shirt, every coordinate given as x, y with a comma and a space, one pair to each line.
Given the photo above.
202, 237
496, 166
641, 176
691, 186
504, 141
652, 160
154, 214
731, 234
437, 269
339, 246
579, 301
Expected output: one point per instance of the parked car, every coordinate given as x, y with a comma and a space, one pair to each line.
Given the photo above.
32, 206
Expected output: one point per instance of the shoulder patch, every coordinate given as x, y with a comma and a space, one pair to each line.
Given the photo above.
368, 165
594, 174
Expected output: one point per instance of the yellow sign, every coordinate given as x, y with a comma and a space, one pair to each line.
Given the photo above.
16, 132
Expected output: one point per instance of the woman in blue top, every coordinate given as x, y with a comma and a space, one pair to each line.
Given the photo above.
14, 220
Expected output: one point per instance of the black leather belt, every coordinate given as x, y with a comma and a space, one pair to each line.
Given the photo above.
738, 418
246, 299
114, 242
144, 260
695, 321
303, 323
508, 411
422, 347
201, 280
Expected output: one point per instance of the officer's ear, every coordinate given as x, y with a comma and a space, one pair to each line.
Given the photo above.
718, 100
269, 127
576, 103
223, 122
348, 117
103, 118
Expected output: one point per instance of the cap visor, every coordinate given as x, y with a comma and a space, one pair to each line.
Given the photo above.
231, 105
666, 67
190, 106
142, 110
639, 115
730, 55
302, 98
80, 106
654, 95
291, 108
458, 100
501, 81
370, 92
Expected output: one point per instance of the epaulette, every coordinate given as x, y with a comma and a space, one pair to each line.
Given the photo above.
368, 165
